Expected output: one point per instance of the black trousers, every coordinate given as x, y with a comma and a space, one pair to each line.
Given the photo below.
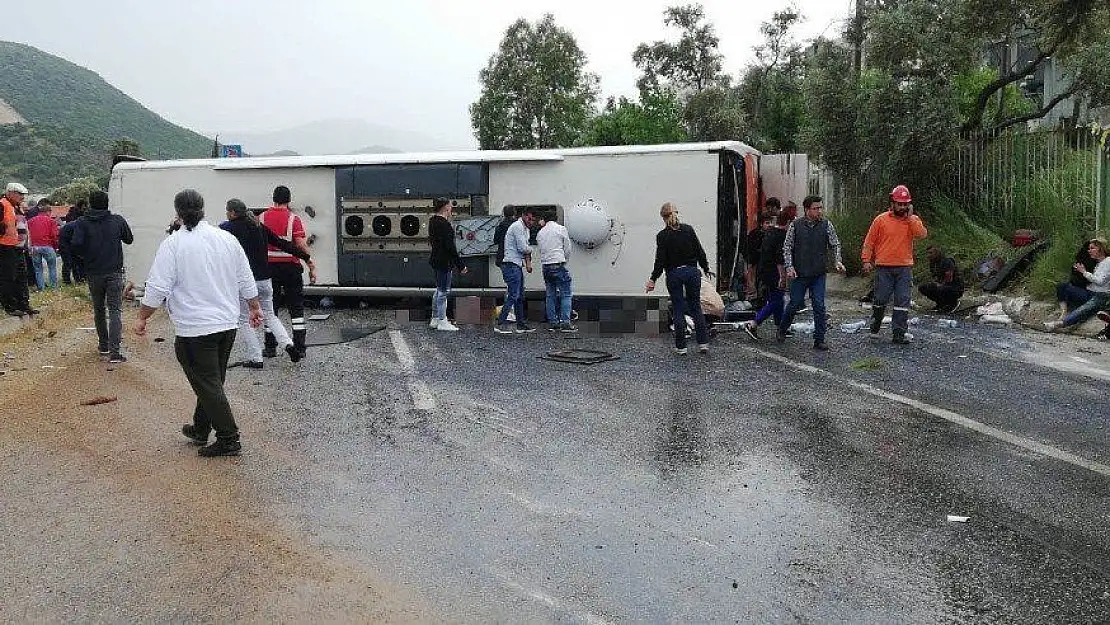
944, 295
14, 292
288, 284
204, 361
73, 269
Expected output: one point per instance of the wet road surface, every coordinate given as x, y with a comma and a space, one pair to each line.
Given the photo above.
478, 483
727, 488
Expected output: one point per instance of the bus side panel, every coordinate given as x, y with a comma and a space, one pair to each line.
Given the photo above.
631, 188
145, 199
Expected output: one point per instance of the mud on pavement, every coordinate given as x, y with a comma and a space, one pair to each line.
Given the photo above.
110, 516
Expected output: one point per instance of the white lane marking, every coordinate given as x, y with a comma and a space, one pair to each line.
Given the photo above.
422, 397
554, 603
404, 354
948, 415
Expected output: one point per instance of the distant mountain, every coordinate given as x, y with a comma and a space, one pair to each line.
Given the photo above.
71, 117
334, 136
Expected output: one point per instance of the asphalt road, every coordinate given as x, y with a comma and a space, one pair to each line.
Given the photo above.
471, 482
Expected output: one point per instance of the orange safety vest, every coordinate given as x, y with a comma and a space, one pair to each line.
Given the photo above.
11, 231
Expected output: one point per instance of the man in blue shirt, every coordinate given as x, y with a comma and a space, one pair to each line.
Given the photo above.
518, 259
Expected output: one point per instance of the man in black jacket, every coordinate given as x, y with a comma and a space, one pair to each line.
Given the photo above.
72, 266
254, 237
98, 239
445, 260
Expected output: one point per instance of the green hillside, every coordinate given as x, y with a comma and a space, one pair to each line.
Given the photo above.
73, 117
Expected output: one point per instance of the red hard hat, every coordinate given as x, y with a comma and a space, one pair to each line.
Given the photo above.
901, 194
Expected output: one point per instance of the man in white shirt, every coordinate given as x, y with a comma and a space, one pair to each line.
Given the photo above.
201, 273
554, 244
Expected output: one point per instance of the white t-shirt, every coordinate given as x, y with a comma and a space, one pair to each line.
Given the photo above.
201, 275
554, 243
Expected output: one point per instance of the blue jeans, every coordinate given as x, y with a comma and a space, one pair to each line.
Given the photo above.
1072, 295
684, 285
815, 285
772, 307
443, 289
40, 253
557, 280
1087, 309
514, 293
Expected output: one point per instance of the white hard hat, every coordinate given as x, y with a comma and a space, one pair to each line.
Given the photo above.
18, 188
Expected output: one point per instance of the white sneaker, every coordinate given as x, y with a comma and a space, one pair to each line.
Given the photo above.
681, 351
433, 323
447, 326
703, 348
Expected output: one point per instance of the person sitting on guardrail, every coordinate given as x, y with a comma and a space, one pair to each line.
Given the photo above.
1099, 288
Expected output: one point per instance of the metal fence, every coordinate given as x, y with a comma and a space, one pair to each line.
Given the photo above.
1017, 178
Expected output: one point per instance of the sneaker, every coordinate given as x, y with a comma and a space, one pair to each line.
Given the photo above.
789, 332
503, 329
447, 326
750, 329
524, 329
703, 348
433, 323
1103, 316
295, 354
681, 351
117, 358
1052, 326
269, 352
821, 346
568, 328
104, 352
905, 338
220, 448
31, 311
554, 327
15, 313
190, 432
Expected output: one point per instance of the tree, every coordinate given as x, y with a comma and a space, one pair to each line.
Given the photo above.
78, 189
125, 147
715, 114
1075, 34
771, 87
691, 64
656, 119
536, 92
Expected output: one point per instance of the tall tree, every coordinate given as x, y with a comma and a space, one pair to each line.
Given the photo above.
771, 87
693, 63
536, 92
657, 118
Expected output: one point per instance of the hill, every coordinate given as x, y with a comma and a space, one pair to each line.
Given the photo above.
72, 118
333, 136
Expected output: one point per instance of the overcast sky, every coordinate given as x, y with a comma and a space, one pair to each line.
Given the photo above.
264, 65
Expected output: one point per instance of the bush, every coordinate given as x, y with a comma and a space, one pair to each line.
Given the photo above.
851, 227
952, 230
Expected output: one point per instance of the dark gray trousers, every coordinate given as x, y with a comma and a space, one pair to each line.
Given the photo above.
894, 283
106, 291
204, 361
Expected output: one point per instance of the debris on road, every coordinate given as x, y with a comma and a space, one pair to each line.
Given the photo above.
853, 327
947, 323
1002, 319
319, 317
957, 519
579, 356
96, 401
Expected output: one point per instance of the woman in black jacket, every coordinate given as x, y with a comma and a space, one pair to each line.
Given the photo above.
679, 253
444, 259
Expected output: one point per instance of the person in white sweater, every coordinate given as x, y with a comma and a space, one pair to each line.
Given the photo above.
201, 273
1099, 287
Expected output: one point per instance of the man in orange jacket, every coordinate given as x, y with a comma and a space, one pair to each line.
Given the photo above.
889, 248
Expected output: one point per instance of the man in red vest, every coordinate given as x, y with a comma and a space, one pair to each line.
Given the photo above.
286, 269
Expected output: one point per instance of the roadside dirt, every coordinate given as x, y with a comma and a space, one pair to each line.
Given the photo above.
114, 517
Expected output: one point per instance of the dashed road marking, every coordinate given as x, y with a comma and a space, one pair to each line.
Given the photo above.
948, 415
422, 397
